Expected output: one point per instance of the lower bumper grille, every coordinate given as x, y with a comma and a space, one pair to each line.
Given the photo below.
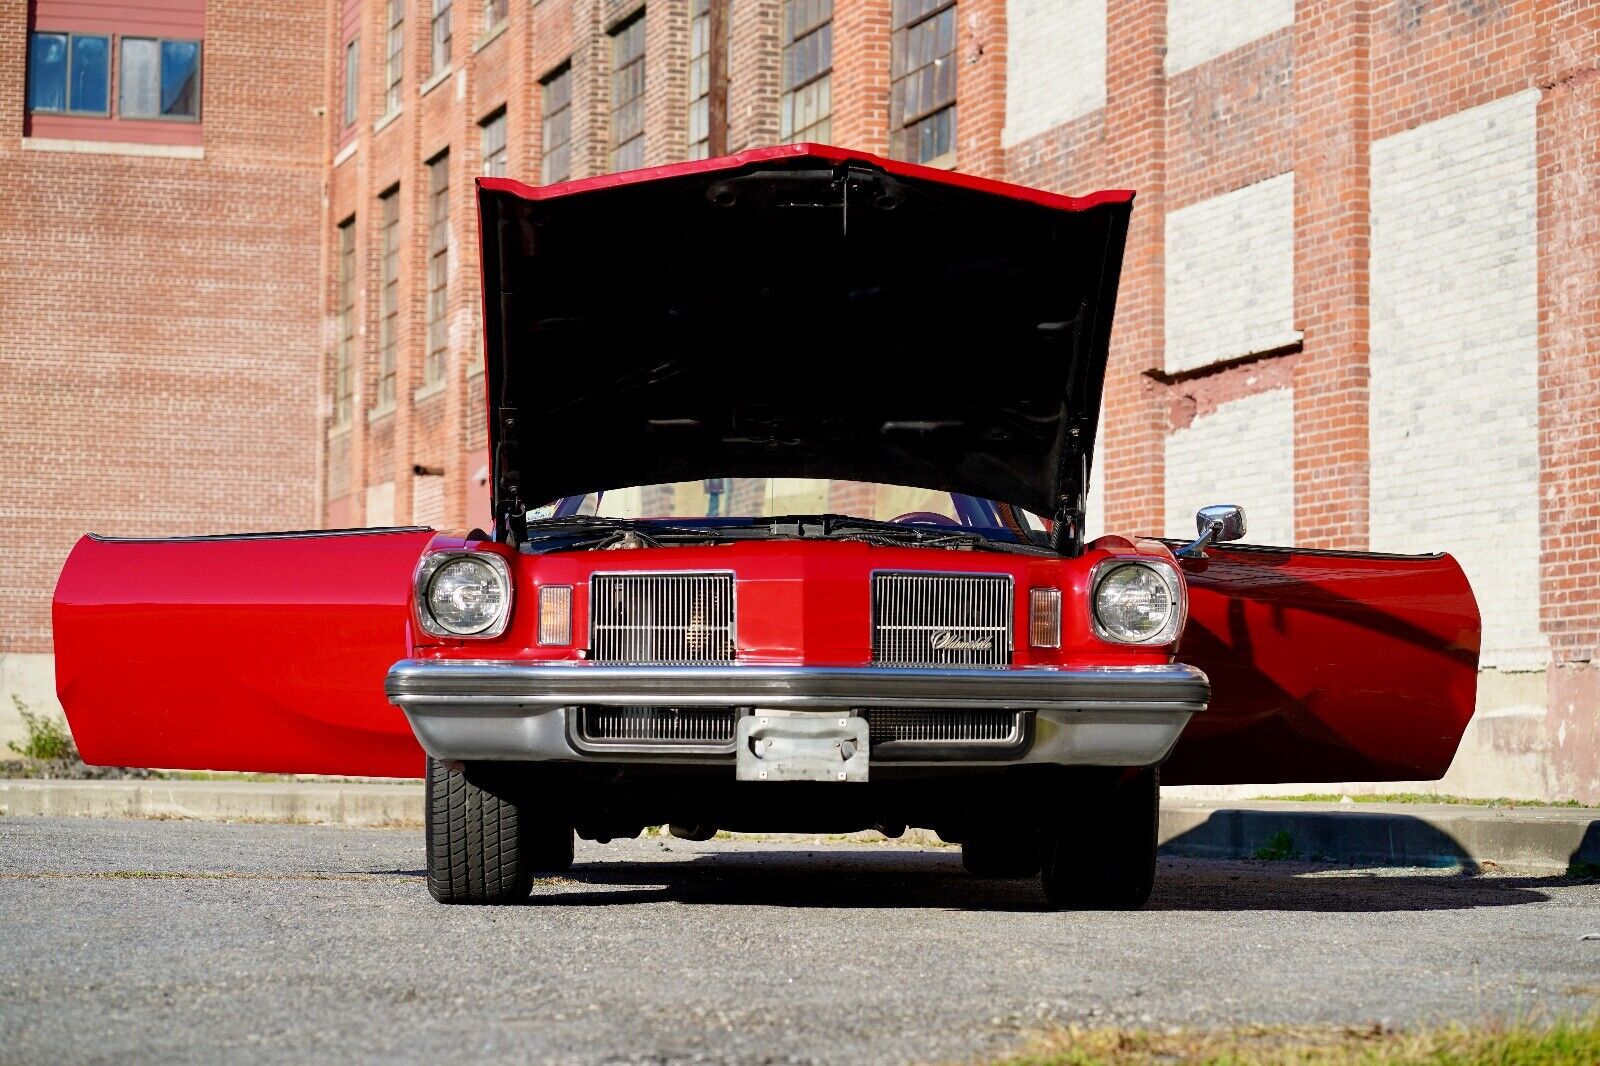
715, 727
666, 726
943, 727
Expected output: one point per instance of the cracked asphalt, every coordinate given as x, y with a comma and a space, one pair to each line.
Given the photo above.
195, 942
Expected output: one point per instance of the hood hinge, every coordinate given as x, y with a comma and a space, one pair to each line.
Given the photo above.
511, 521
1067, 536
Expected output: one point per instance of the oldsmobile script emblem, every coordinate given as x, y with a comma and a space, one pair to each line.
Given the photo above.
949, 640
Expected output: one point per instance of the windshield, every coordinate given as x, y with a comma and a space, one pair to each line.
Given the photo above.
768, 497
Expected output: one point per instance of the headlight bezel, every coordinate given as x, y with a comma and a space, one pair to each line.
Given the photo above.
1177, 594
429, 567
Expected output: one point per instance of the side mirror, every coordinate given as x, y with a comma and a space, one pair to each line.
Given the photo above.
1218, 523
1226, 519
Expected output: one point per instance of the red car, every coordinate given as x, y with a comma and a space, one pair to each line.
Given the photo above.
790, 454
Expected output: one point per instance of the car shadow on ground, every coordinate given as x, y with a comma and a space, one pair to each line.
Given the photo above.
909, 879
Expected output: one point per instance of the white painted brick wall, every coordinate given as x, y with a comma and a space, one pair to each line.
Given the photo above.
1055, 65
1198, 30
1094, 519
1243, 453
1230, 275
1454, 407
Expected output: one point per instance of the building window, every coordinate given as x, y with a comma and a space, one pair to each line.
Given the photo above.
69, 73
555, 148
807, 70
395, 69
389, 324
352, 79
441, 35
495, 12
700, 79
438, 268
627, 96
159, 79
345, 356
492, 132
922, 80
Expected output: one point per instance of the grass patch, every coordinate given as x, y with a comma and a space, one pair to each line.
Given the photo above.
1421, 797
1279, 846
1574, 1042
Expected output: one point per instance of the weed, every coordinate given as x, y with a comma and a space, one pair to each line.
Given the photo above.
1589, 871
48, 738
1567, 1042
1421, 797
1279, 846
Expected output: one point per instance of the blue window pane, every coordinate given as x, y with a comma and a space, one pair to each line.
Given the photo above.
91, 74
47, 72
180, 78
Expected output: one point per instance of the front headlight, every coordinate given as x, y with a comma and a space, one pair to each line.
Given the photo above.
1137, 602
466, 594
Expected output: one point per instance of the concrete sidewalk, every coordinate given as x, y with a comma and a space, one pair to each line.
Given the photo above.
1533, 839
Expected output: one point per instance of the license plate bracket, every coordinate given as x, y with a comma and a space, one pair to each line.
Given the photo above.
802, 746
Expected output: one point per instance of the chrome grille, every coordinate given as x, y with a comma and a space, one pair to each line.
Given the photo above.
978, 726
661, 619
921, 619
660, 725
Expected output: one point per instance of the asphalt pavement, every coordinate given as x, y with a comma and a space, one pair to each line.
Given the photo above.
199, 942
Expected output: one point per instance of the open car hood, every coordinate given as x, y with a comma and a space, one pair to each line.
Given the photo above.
800, 311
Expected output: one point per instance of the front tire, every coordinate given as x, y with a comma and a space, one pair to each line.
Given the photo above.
485, 839
1102, 854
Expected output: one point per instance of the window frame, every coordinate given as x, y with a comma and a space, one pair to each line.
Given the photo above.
344, 357
618, 35
489, 8
394, 71
790, 93
899, 34
562, 73
350, 94
436, 355
699, 20
494, 118
387, 386
199, 77
70, 35
442, 11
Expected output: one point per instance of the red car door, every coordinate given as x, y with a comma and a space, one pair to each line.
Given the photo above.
1326, 666
257, 652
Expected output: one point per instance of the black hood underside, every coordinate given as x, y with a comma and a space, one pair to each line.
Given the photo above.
802, 315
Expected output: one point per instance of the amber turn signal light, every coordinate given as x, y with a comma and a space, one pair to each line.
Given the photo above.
1044, 618
555, 614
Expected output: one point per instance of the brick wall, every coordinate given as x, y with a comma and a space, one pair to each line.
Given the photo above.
1055, 64
1241, 452
1454, 409
1305, 170
151, 288
1201, 30
1230, 275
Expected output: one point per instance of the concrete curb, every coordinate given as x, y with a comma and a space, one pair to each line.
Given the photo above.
1535, 839
323, 803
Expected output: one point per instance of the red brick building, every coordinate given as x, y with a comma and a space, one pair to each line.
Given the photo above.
160, 234
1360, 296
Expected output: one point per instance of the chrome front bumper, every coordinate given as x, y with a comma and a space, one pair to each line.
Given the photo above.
506, 710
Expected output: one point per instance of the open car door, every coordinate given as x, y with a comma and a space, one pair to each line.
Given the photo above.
1326, 666
261, 652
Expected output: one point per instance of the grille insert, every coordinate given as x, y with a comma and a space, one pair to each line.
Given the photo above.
662, 619
922, 619
667, 726
910, 726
